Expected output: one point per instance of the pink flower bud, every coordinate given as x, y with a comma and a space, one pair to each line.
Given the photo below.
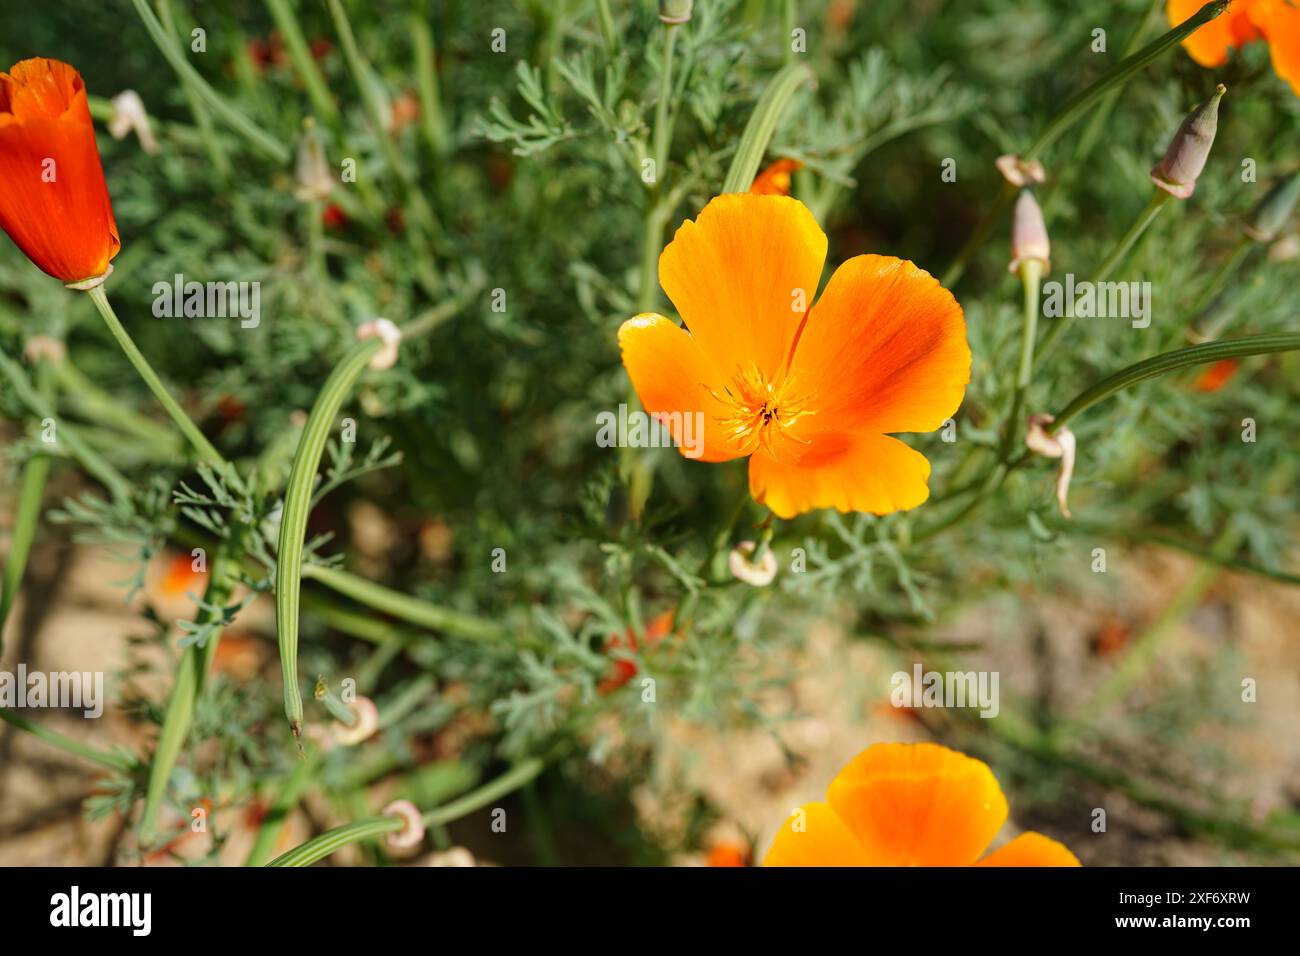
1029, 233
1190, 148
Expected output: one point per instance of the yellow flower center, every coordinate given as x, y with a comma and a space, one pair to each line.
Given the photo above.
762, 410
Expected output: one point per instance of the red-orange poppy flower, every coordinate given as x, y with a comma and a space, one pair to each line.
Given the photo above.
53, 202
624, 670
1215, 376
909, 805
809, 394
775, 180
728, 854
1275, 21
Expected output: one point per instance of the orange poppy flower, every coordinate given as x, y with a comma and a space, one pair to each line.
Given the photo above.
775, 180
910, 805
809, 394
54, 204
1275, 21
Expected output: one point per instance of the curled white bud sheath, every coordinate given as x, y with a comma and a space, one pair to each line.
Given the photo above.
365, 727
412, 831
128, 116
1029, 233
85, 285
1058, 444
1020, 173
456, 856
759, 574
42, 348
1185, 158
388, 333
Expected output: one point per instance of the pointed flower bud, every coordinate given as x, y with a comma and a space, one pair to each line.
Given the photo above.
1190, 148
312, 169
1029, 233
675, 11
1268, 218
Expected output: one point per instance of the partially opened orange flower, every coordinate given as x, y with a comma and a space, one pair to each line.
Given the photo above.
775, 180
809, 394
1275, 21
53, 200
910, 805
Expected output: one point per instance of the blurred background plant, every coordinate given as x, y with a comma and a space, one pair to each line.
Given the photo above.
532, 581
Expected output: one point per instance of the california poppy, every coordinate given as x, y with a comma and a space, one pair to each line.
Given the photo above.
54, 203
775, 180
1275, 21
1215, 376
624, 669
909, 805
809, 394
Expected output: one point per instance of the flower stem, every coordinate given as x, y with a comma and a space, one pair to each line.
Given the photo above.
1031, 274
1069, 114
110, 761
191, 675
1157, 202
762, 125
191, 431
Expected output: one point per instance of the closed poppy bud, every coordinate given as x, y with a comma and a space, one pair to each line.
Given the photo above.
54, 204
675, 11
312, 169
1268, 218
1190, 148
1029, 233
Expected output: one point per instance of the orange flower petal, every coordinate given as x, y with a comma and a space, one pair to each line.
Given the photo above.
919, 805
886, 346
54, 204
1210, 44
1031, 849
1280, 24
848, 471
815, 836
674, 378
742, 276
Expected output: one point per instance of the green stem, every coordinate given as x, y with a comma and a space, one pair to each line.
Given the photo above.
1209, 323
257, 136
191, 676
107, 760
607, 31
202, 118
293, 519
188, 428
762, 126
1031, 274
303, 63
286, 799
1171, 362
1157, 202
409, 609
94, 402
1070, 114
426, 71
32, 491
1143, 651
326, 843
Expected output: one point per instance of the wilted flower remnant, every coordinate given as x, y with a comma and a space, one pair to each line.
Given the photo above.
1019, 173
1057, 444
129, 116
412, 831
809, 394
744, 567
910, 805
